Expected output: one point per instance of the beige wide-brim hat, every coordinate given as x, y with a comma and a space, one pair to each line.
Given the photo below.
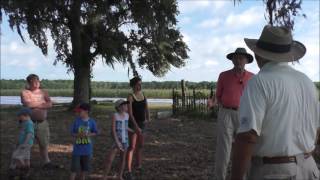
276, 44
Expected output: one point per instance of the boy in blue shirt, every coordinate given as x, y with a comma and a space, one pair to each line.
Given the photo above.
21, 156
83, 128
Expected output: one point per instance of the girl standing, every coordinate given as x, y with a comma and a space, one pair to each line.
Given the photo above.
139, 113
120, 134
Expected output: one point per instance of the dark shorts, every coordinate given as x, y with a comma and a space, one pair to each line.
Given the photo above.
80, 163
141, 125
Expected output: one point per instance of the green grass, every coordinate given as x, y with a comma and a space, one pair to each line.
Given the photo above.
110, 106
150, 93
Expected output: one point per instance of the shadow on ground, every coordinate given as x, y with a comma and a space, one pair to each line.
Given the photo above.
175, 148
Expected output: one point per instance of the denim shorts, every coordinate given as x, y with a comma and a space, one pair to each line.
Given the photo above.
80, 163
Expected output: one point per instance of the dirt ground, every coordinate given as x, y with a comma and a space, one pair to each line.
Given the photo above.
175, 148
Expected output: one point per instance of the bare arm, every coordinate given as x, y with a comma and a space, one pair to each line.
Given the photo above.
147, 111
317, 137
27, 101
28, 137
131, 130
243, 151
74, 131
48, 103
77, 134
219, 91
114, 133
91, 134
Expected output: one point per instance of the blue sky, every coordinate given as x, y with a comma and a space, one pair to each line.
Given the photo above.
211, 29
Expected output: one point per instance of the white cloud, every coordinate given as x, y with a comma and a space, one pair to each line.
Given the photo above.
223, 28
210, 23
247, 18
219, 4
32, 64
185, 20
186, 38
191, 6
18, 48
211, 63
29, 64
221, 45
308, 66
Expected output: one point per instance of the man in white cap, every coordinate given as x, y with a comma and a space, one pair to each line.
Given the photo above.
230, 86
279, 113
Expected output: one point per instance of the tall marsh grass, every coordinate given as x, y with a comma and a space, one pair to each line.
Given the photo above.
150, 93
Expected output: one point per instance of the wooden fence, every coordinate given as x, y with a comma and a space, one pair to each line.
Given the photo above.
192, 102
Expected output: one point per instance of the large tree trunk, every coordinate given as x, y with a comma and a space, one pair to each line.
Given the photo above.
80, 59
81, 91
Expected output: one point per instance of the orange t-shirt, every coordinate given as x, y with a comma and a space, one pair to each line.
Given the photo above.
230, 87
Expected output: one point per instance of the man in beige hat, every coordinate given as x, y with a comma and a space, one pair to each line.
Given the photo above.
279, 113
230, 86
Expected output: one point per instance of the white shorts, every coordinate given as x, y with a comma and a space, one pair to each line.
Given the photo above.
22, 152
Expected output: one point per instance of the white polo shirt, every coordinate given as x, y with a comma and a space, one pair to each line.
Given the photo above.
282, 106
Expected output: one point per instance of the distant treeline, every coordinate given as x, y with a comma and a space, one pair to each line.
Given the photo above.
110, 89
68, 84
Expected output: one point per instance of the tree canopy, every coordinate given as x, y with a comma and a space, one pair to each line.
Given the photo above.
138, 33
110, 28
282, 12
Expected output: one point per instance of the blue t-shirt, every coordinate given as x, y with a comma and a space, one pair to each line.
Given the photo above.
83, 146
26, 127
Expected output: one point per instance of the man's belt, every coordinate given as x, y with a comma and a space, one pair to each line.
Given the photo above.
283, 159
232, 108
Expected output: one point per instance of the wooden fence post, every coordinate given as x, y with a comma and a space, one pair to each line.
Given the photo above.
194, 99
183, 86
173, 102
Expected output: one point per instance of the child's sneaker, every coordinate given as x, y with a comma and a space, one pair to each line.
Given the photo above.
13, 174
25, 174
